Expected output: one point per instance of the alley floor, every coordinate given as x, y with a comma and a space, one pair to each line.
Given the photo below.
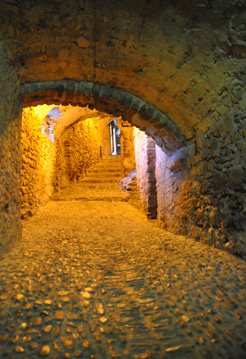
96, 279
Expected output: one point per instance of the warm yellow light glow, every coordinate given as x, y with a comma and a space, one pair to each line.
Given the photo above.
41, 111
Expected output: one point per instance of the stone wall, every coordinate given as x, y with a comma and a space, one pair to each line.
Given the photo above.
10, 128
81, 148
219, 170
37, 162
145, 165
170, 53
176, 55
202, 189
127, 147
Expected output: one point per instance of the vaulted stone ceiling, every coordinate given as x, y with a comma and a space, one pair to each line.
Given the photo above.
182, 57
72, 114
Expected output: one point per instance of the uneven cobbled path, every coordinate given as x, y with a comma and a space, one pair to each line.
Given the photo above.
96, 279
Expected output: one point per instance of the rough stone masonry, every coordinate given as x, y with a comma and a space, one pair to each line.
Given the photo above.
176, 70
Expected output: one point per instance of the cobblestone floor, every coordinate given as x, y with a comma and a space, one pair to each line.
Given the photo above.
97, 280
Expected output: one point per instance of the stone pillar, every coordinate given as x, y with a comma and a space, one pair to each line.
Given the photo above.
10, 131
145, 164
175, 203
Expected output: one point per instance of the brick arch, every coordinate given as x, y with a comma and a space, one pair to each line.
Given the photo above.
110, 100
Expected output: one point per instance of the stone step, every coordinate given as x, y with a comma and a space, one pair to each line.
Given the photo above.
87, 198
102, 163
110, 161
108, 165
105, 174
105, 169
98, 186
111, 158
102, 178
99, 180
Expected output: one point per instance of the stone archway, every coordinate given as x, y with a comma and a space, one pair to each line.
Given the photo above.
110, 100
115, 101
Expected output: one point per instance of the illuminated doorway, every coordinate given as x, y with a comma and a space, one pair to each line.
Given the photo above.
115, 138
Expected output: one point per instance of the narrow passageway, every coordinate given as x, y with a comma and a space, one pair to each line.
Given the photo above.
148, 96
96, 279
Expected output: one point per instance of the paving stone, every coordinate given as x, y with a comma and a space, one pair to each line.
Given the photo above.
100, 277
59, 314
19, 349
45, 351
47, 328
37, 321
56, 332
85, 343
33, 345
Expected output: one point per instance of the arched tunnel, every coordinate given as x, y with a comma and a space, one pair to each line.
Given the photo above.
122, 179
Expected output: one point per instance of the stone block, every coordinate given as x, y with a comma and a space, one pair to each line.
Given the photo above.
82, 42
63, 54
214, 218
200, 140
214, 147
219, 180
162, 118
241, 248
226, 216
235, 178
196, 232
32, 88
210, 166
177, 166
227, 124
200, 169
204, 187
126, 99
244, 128
239, 221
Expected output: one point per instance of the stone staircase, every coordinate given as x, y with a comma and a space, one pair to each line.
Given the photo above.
101, 183
106, 174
